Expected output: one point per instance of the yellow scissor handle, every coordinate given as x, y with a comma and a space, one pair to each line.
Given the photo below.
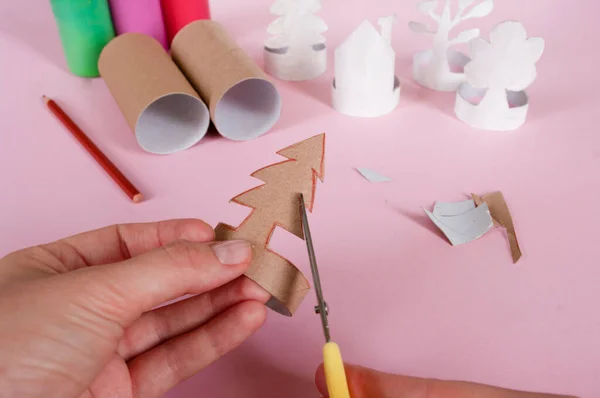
337, 385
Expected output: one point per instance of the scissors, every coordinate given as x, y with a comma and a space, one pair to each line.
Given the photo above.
335, 375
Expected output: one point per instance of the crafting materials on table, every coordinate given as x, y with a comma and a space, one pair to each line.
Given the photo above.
139, 16
179, 13
335, 374
93, 150
85, 27
275, 203
159, 104
243, 103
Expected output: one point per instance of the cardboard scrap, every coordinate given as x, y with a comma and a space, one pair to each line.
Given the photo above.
501, 217
275, 203
243, 103
493, 96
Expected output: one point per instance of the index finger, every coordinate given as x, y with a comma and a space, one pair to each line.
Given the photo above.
121, 242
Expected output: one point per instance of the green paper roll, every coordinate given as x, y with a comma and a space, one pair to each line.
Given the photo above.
85, 27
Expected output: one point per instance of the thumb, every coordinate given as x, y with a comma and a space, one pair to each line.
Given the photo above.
368, 383
122, 291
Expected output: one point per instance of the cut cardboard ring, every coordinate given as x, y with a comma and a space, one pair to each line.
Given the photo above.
467, 108
172, 123
361, 104
284, 64
247, 110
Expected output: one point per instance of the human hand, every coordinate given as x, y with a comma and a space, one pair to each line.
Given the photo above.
77, 317
368, 383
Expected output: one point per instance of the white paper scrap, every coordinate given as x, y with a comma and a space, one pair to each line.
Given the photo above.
432, 68
297, 49
372, 176
494, 97
444, 209
365, 84
463, 227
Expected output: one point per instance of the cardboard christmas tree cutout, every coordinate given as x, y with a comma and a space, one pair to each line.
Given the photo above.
276, 204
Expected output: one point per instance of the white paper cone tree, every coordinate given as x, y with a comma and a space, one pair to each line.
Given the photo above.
500, 71
432, 68
296, 51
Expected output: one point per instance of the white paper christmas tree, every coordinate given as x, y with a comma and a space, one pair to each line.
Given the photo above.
498, 74
432, 68
296, 50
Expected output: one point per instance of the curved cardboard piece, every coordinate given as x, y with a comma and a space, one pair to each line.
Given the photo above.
159, 104
501, 217
276, 204
139, 16
243, 103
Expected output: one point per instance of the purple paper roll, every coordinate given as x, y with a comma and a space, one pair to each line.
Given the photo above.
140, 16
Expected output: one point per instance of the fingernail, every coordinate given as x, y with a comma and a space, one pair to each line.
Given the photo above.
232, 252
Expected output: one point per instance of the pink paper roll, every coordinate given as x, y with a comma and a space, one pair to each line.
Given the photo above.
139, 16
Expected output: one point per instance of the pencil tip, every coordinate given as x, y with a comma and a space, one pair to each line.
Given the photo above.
45, 98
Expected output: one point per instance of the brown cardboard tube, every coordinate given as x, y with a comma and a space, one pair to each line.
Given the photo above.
159, 104
243, 103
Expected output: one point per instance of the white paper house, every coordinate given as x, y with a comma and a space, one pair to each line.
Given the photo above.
365, 84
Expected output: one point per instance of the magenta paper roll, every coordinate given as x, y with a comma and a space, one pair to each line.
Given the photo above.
139, 16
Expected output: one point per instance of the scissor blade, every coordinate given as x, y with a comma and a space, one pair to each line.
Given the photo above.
321, 307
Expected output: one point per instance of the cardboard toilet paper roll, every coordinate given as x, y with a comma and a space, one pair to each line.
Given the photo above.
139, 16
85, 27
179, 13
159, 104
243, 103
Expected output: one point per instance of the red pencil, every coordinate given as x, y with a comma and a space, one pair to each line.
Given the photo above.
93, 150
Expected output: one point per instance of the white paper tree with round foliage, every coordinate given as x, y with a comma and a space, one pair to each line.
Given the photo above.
499, 72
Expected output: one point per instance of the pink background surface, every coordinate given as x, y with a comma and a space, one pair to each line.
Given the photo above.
402, 299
